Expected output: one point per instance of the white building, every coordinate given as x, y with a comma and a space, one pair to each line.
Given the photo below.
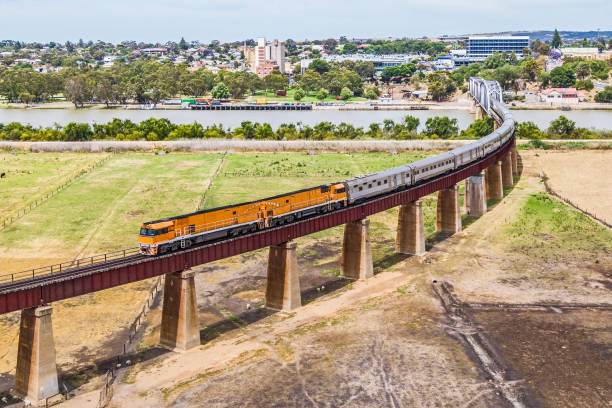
269, 54
561, 96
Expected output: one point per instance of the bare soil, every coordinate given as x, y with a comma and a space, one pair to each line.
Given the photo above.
585, 177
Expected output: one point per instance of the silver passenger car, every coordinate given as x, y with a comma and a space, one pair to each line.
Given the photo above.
432, 166
371, 185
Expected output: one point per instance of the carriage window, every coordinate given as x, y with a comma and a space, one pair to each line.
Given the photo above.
286, 201
379, 183
369, 186
340, 190
385, 181
234, 213
324, 189
360, 188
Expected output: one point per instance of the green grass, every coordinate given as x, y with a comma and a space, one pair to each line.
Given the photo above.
309, 98
30, 176
548, 230
251, 176
103, 210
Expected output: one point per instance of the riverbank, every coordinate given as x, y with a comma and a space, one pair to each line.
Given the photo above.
306, 146
339, 106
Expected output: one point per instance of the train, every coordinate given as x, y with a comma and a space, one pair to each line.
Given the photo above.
200, 227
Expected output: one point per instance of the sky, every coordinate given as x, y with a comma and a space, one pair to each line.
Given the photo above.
235, 20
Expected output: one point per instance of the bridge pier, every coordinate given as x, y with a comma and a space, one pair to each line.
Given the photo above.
357, 251
36, 374
475, 195
507, 179
179, 326
515, 172
410, 229
283, 283
448, 217
494, 185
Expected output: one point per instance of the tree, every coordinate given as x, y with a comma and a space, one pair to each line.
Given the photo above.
349, 48
77, 132
583, 70
605, 95
442, 127
507, 75
310, 81
585, 84
299, 94
528, 130
479, 128
319, 66
562, 127
365, 69
556, 40
372, 93
183, 44
77, 90
562, 77
220, 91
330, 45
411, 123
530, 70
346, 94
322, 94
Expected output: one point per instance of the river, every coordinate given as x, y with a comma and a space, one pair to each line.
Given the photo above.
48, 117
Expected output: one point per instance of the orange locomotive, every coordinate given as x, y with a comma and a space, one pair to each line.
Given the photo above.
170, 234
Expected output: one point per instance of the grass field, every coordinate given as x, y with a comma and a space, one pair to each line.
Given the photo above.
103, 210
30, 176
309, 98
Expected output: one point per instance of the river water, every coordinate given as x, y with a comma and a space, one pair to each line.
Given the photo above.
48, 117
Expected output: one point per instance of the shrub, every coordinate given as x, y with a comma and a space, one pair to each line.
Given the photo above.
346, 94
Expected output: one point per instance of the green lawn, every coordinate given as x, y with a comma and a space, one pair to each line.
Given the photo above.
250, 176
29, 176
270, 96
103, 210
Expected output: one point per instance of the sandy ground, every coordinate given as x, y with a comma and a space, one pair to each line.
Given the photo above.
585, 177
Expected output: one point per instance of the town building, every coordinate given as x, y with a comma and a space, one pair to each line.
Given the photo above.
380, 61
266, 55
561, 96
478, 48
586, 52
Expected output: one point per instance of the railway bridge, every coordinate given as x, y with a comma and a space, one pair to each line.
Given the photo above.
33, 291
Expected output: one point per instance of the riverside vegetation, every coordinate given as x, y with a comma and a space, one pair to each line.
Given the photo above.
153, 129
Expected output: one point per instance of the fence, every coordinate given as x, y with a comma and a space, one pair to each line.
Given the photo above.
76, 263
106, 393
552, 192
23, 211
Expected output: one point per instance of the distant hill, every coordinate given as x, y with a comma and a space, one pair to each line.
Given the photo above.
567, 36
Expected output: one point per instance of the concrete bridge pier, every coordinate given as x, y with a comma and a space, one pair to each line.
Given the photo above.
448, 219
515, 172
36, 374
283, 284
410, 229
494, 185
357, 251
507, 178
476, 195
179, 326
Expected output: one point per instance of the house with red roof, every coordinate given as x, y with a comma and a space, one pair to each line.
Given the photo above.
561, 96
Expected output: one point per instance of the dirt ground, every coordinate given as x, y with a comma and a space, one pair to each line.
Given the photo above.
585, 177
386, 341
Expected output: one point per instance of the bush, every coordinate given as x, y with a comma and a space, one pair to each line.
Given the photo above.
299, 94
528, 130
585, 84
442, 127
373, 93
322, 94
220, 91
562, 127
346, 94
605, 95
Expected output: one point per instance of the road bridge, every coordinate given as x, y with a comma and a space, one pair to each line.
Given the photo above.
33, 291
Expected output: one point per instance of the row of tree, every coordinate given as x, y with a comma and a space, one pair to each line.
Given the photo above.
439, 127
162, 129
